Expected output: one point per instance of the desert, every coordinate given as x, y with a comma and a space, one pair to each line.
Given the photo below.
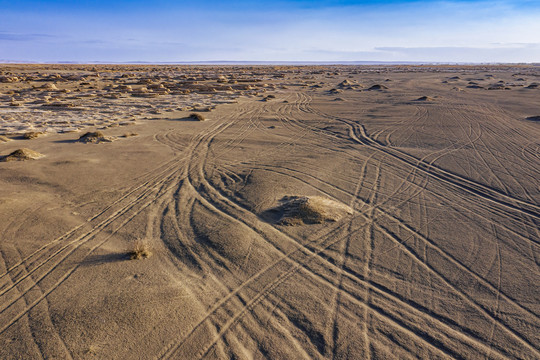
281, 212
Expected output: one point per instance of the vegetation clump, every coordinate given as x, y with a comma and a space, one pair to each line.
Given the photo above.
425, 98
32, 135
197, 116
378, 87
131, 134
140, 250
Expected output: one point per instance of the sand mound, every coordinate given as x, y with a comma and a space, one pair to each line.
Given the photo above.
345, 83
21, 155
50, 87
32, 135
298, 210
131, 134
59, 104
498, 86
197, 117
8, 79
95, 137
425, 98
378, 87
339, 99
4, 139
269, 97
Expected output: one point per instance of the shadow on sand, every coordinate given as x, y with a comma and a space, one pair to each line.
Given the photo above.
94, 260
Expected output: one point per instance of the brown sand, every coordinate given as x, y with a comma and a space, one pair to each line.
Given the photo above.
435, 252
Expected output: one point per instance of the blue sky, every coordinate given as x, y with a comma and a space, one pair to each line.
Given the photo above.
294, 30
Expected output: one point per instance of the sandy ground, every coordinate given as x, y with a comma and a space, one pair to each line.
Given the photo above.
432, 174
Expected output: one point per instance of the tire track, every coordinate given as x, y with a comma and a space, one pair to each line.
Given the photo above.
68, 273
317, 275
162, 185
89, 220
254, 302
484, 192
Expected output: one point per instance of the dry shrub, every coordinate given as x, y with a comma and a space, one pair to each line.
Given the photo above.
378, 87
196, 116
130, 135
32, 135
140, 250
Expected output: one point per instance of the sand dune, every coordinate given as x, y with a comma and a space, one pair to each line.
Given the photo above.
21, 155
299, 210
296, 227
95, 137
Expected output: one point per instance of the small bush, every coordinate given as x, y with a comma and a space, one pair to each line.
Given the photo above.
141, 250
32, 135
130, 134
92, 134
196, 116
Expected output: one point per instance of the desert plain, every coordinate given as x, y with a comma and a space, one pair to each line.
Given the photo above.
280, 212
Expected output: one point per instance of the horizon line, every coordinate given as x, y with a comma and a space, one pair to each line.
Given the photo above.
247, 62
